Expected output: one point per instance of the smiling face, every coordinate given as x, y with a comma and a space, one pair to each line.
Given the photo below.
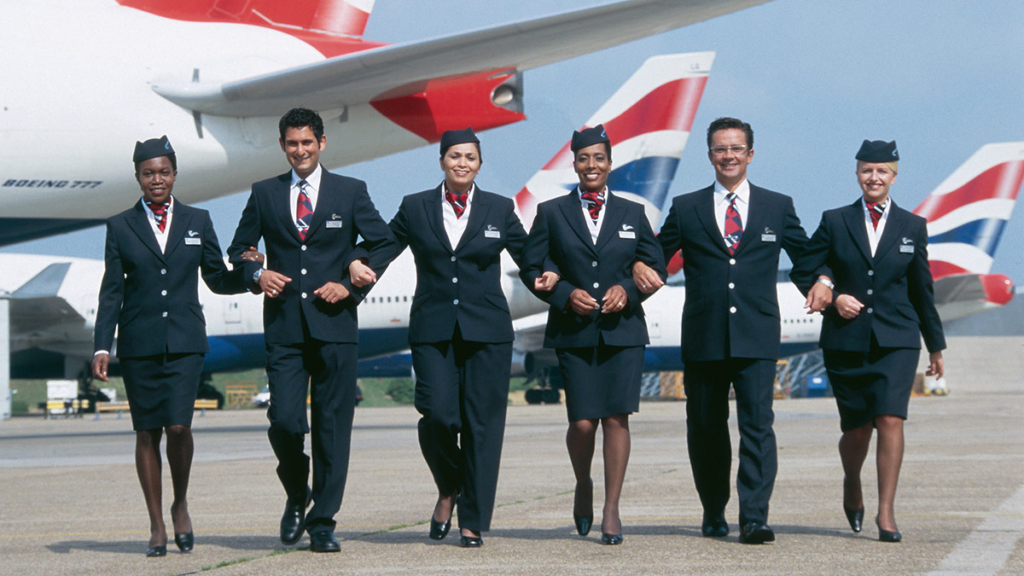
729, 160
875, 178
461, 164
592, 165
156, 178
302, 149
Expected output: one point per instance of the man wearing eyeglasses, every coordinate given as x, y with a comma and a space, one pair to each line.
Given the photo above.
730, 235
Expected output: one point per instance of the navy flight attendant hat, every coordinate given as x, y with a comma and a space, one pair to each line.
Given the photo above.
878, 151
152, 148
589, 137
452, 137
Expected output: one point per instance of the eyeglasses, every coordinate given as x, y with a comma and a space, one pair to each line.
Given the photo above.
722, 150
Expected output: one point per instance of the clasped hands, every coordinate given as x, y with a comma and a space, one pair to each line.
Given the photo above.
272, 283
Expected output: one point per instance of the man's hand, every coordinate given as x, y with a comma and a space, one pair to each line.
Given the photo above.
546, 282
100, 362
646, 279
936, 366
254, 255
581, 302
848, 306
332, 292
614, 299
818, 299
272, 283
361, 274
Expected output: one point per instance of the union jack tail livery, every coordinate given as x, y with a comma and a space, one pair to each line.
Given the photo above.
966, 216
648, 120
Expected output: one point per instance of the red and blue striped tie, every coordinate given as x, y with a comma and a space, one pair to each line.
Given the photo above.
303, 211
875, 209
594, 202
160, 212
733, 224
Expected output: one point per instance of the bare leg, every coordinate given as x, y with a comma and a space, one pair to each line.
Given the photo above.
616, 457
179, 457
580, 441
147, 464
889, 459
853, 449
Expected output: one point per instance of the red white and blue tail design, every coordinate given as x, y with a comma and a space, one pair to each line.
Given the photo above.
648, 120
967, 213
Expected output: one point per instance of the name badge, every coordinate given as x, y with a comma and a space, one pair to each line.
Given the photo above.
193, 241
629, 234
906, 249
334, 223
767, 237
492, 234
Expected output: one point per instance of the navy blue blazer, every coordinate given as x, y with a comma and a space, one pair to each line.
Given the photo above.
152, 297
895, 285
560, 241
732, 307
463, 283
343, 212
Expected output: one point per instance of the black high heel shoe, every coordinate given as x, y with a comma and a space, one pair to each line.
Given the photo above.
855, 517
156, 551
611, 539
185, 542
886, 535
438, 530
583, 523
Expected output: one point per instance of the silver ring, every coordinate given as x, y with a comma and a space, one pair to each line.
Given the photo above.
274, 292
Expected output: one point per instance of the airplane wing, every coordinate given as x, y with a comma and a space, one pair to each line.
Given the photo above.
403, 69
966, 294
39, 317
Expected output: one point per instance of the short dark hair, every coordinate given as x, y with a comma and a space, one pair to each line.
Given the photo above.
301, 118
479, 154
171, 157
727, 123
607, 149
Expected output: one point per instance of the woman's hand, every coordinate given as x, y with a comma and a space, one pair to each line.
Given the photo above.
848, 306
646, 279
546, 283
361, 274
936, 366
581, 302
100, 362
615, 300
253, 255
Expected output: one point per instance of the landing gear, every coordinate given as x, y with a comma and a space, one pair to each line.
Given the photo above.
549, 382
87, 391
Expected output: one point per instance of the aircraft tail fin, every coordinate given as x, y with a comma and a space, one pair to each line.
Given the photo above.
648, 120
344, 17
968, 211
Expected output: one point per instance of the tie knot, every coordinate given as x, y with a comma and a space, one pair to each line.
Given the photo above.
730, 196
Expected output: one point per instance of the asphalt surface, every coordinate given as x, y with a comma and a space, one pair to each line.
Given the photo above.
70, 501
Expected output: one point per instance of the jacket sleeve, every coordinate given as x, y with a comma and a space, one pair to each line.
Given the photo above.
215, 273
536, 253
111, 294
922, 296
671, 235
808, 266
515, 239
649, 252
248, 233
378, 242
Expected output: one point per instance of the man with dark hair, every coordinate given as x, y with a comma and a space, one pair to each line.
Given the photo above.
731, 234
310, 220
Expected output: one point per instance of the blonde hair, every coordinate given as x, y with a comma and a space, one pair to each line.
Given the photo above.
893, 166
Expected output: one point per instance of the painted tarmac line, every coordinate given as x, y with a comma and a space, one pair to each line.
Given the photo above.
986, 549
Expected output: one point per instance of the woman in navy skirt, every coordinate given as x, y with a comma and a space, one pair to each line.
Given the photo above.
875, 254
596, 324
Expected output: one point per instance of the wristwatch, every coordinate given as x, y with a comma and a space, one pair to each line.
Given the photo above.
828, 283
256, 276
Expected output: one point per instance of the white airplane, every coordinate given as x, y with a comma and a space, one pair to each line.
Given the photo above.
92, 77
53, 299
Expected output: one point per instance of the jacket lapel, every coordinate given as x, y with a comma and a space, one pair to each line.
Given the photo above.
477, 217
282, 204
893, 229
179, 223
139, 223
614, 213
432, 207
572, 210
705, 208
854, 218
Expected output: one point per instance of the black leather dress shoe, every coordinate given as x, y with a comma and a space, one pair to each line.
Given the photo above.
855, 518
471, 541
583, 523
714, 526
756, 533
438, 530
185, 542
156, 551
293, 522
887, 536
323, 542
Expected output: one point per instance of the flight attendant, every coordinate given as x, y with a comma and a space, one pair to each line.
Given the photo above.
596, 323
876, 255
460, 331
149, 292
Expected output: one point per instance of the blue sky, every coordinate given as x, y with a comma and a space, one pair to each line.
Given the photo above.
942, 78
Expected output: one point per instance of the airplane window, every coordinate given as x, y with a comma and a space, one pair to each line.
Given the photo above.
389, 299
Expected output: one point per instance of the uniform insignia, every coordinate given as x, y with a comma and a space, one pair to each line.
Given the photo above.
492, 232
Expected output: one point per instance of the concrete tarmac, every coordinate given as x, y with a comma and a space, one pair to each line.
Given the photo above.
70, 502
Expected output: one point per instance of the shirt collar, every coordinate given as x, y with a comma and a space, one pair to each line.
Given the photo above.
149, 212
313, 179
742, 192
885, 205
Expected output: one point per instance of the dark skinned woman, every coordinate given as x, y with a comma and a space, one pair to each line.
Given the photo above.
460, 331
876, 254
154, 253
596, 323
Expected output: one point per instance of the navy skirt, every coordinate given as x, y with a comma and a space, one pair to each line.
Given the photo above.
162, 389
873, 384
602, 381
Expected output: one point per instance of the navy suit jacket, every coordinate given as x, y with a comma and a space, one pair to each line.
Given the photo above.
343, 212
463, 283
731, 308
560, 241
152, 297
895, 285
